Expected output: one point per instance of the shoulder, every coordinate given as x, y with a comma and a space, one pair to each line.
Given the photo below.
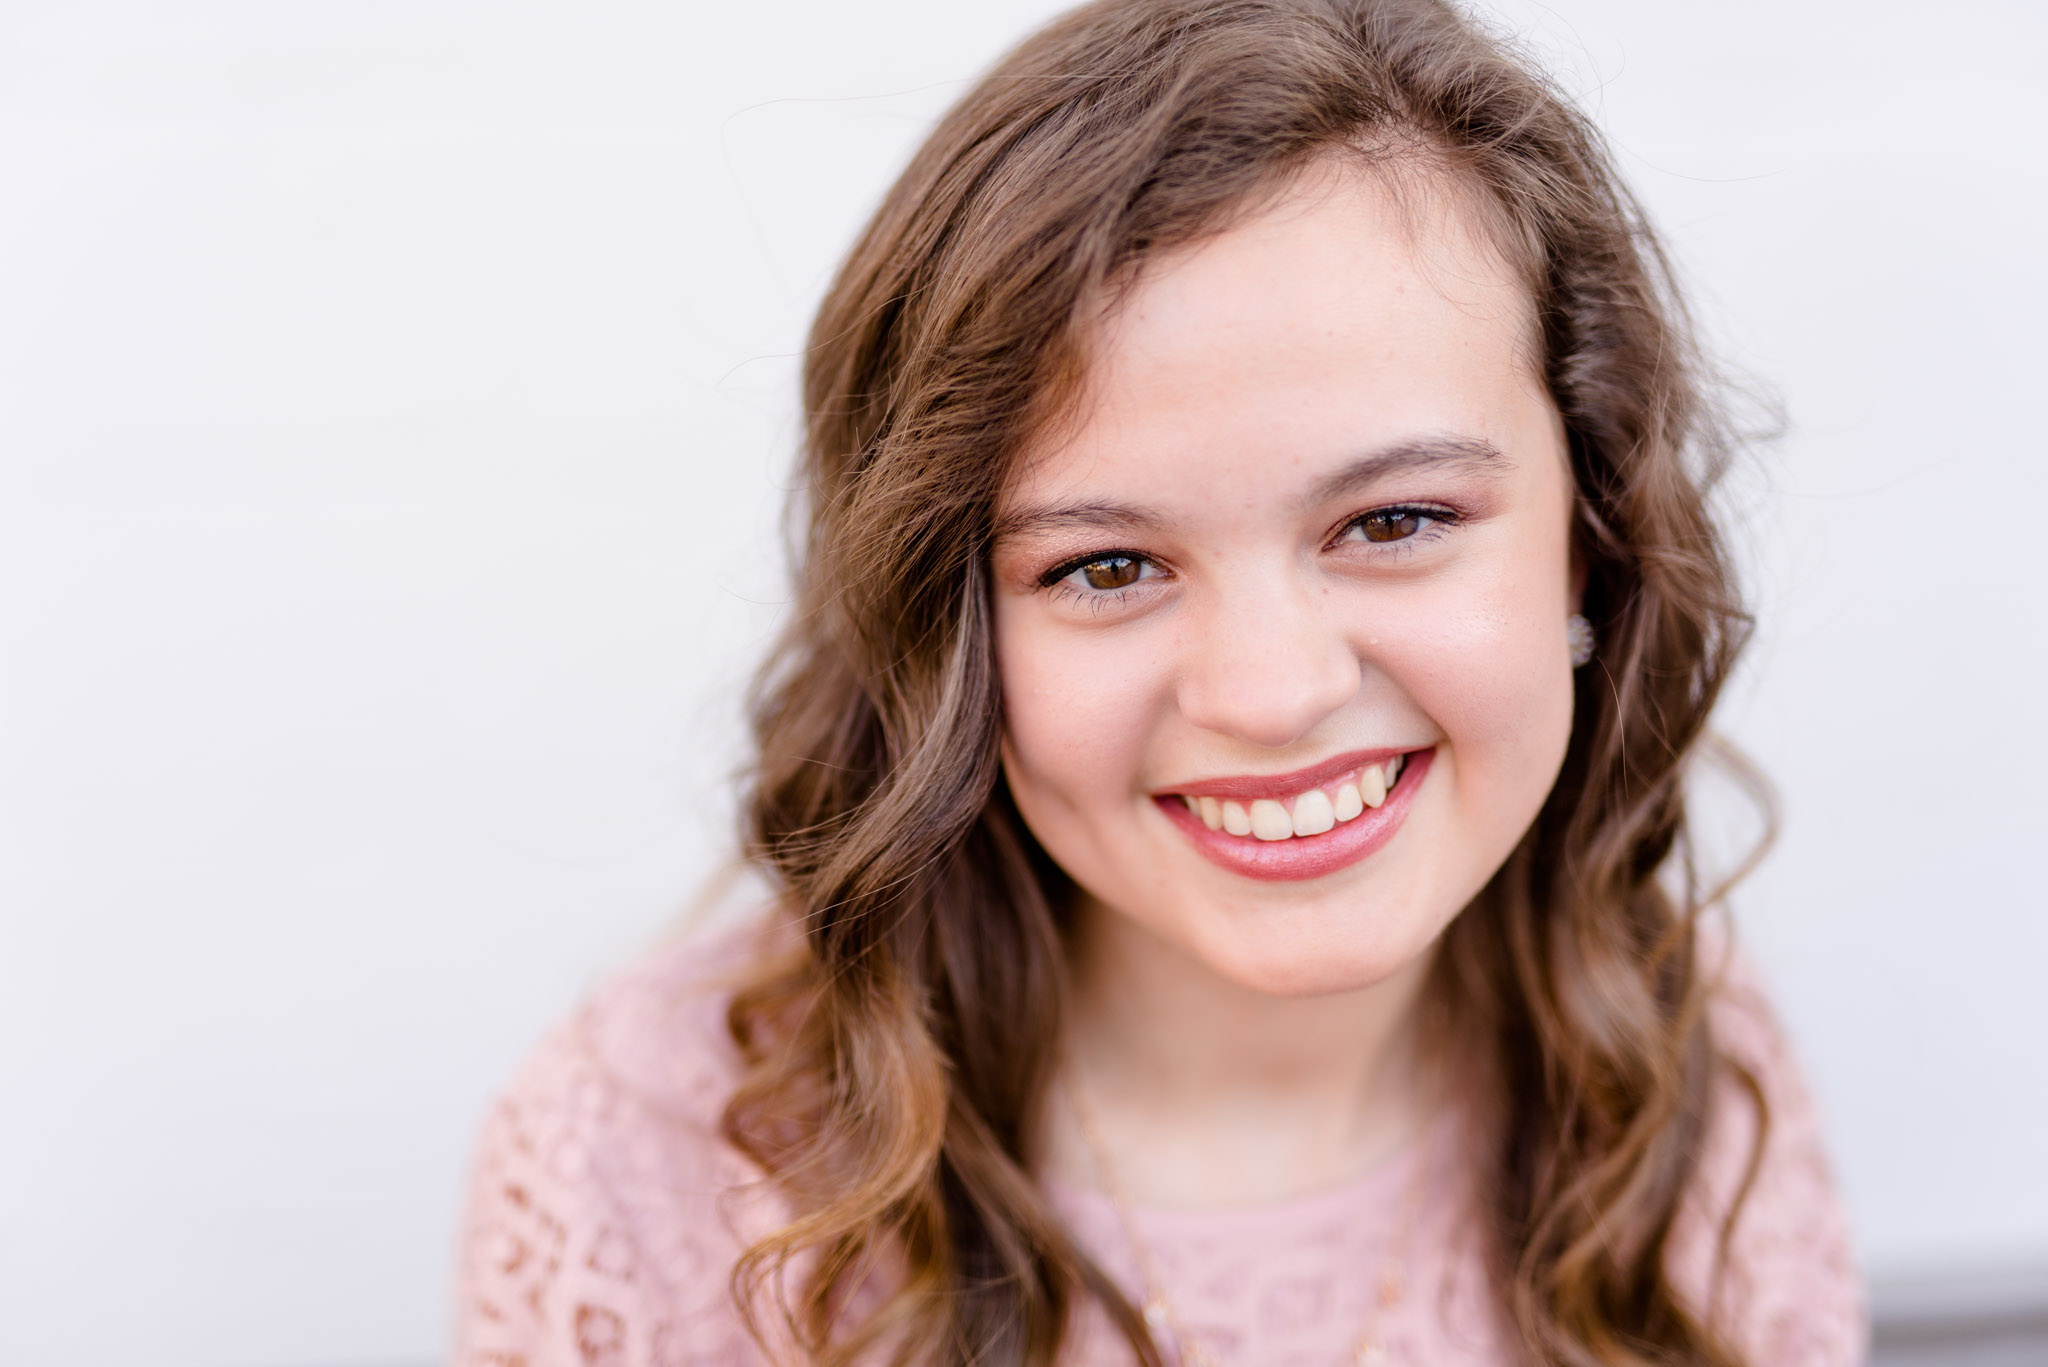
605, 1210
1788, 1292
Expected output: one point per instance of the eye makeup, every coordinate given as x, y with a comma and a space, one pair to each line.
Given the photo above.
1109, 575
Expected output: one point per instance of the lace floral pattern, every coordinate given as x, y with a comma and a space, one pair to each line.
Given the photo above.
605, 1215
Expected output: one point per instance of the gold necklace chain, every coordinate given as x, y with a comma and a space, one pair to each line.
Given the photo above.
1368, 1350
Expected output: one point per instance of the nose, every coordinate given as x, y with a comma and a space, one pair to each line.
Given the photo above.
1265, 667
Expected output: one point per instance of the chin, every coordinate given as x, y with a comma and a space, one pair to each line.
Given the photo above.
1302, 954
1316, 978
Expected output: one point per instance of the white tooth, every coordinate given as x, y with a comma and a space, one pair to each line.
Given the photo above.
1313, 813
1234, 819
1349, 803
1372, 786
1394, 769
1270, 820
1193, 805
1212, 814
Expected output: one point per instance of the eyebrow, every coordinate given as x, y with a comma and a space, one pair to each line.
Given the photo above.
1470, 455
1064, 516
1462, 455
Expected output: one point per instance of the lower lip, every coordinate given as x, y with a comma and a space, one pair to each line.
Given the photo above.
1302, 857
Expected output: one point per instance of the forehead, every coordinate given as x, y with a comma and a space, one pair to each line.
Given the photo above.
1360, 308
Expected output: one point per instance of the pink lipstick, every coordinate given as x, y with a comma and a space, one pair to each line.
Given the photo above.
1299, 857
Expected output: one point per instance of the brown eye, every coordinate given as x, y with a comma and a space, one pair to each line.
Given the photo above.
1391, 524
1111, 572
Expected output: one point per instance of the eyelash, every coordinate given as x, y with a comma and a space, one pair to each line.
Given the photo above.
1056, 579
1437, 520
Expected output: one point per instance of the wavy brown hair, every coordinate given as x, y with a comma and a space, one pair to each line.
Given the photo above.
900, 1049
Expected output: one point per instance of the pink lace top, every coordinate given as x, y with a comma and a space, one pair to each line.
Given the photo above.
601, 1226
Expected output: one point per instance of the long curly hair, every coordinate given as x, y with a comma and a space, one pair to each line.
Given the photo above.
900, 1047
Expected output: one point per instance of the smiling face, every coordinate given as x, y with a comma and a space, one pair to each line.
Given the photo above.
1307, 539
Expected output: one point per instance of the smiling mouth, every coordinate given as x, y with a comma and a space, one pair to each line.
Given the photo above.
1298, 815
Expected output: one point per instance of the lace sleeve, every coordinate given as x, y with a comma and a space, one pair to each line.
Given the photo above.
1789, 1294
602, 1222
549, 1272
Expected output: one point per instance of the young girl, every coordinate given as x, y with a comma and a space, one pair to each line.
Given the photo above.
1222, 790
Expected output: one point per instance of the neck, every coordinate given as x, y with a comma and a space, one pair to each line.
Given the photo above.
1207, 1092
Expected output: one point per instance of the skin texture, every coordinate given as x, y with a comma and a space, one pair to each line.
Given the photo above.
1259, 1037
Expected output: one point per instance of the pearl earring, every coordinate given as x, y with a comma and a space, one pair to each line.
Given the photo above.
1578, 634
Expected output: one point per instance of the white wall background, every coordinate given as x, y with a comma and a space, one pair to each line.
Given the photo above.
393, 405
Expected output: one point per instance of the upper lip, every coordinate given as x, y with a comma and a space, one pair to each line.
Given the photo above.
1251, 787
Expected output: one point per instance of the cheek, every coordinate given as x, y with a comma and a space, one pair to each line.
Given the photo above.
1074, 716
1493, 674
1496, 672
1497, 679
